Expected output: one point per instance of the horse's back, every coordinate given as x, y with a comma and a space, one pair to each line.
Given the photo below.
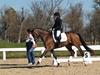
72, 36
71, 33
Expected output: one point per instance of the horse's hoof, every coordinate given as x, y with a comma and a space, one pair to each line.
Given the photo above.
58, 64
37, 63
68, 63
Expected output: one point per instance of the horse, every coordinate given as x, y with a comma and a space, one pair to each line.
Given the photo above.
73, 39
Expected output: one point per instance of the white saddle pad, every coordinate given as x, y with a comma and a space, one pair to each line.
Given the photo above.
63, 37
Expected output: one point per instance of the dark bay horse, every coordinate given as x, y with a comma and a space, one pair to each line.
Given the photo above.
73, 39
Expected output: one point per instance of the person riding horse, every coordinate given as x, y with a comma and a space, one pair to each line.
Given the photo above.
57, 27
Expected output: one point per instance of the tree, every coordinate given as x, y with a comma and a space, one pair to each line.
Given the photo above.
74, 18
97, 3
27, 24
42, 12
10, 20
95, 23
14, 23
20, 20
3, 24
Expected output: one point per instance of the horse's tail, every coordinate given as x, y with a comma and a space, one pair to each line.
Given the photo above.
85, 45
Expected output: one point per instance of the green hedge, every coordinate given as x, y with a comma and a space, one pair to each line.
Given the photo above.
5, 44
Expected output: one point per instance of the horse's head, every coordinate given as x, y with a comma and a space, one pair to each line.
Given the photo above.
35, 34
39, 32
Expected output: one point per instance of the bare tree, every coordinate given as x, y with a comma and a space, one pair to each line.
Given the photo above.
97, 3
27, 24
20, 20
95, 24
74, 18
3, 24
43, 10
10, 20
15, 23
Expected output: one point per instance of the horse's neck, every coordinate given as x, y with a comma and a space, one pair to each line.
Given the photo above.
43, 33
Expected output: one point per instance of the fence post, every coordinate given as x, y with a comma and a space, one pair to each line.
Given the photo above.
4, 55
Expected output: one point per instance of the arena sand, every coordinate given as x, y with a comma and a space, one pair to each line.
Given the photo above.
19, 67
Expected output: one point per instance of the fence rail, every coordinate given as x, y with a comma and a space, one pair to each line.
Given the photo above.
4, 50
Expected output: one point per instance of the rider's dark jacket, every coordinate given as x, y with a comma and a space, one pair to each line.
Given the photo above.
58, 23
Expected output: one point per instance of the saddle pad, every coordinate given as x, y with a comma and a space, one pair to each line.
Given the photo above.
63, 37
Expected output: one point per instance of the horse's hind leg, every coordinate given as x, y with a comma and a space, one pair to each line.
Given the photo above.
80, 50
69, 47
82, 53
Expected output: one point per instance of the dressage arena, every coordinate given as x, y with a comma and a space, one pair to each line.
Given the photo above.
19, 67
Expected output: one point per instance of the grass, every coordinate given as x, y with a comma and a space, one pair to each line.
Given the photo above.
37, 54
5, 44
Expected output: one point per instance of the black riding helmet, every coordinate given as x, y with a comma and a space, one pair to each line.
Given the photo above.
57, 14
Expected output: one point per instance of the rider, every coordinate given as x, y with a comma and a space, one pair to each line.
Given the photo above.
57, 27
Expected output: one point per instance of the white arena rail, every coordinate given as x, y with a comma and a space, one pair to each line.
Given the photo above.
4, 50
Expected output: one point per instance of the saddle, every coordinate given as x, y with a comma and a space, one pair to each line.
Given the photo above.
63, 37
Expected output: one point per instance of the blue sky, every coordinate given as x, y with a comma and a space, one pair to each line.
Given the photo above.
18, 4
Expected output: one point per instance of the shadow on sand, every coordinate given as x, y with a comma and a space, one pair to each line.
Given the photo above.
9, 66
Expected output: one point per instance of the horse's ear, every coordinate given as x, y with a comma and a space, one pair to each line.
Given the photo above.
32, 30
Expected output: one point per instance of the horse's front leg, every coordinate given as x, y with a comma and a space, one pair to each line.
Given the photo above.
55, 58
40, 59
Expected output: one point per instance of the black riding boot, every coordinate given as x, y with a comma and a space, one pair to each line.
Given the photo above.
58, 42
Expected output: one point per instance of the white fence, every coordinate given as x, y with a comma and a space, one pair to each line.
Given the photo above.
4, 50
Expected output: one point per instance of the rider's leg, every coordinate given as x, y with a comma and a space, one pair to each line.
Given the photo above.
58, 36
